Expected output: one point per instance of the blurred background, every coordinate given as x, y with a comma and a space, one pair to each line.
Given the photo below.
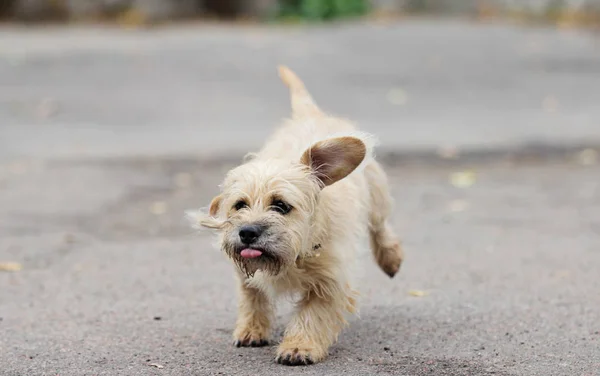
584, 12
116, 116
154, 76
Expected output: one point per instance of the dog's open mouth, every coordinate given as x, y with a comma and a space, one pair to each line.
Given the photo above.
250, 253
252, 259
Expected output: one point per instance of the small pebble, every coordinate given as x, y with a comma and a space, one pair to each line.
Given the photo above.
397, 97
550, 104
448, 152
458, 205
183, 180
158, 208
588, 157
69, 238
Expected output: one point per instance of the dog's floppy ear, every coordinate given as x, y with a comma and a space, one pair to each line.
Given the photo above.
333, 159
213, 209
200, 219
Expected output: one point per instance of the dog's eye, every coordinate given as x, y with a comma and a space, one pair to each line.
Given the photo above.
281, 207
240, 205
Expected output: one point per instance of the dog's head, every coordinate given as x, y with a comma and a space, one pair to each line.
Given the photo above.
266, 209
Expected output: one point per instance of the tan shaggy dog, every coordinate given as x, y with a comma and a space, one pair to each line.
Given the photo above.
291, 218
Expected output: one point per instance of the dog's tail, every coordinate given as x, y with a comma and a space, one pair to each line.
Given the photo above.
302, 102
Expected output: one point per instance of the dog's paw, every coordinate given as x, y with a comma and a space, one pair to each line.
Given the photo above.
291, 355
250, 342
294, 357
250, 338
390, 258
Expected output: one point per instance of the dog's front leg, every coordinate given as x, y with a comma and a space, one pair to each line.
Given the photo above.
254, 317
315, 326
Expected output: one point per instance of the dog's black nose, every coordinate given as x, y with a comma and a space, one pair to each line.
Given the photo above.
249, 233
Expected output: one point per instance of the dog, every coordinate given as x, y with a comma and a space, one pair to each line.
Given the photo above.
291, 218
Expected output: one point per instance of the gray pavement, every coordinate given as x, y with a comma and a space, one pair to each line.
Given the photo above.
510, 266
208, 90
105, 142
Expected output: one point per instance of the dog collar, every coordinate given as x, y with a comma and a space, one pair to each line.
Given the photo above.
314, 248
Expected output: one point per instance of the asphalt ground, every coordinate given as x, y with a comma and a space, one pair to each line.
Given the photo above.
114, 281
108, 136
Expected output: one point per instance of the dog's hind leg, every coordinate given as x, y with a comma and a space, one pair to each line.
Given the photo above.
385, 245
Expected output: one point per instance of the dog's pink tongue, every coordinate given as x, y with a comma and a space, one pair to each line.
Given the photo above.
250, 253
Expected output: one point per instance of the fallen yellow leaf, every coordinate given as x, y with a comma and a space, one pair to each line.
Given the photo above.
448, 152
69, 238
132, 18
158, 208
18, 168
397, 97
47, 108
463, 179
458, 205
550, 104
418, 293
434, 62
588, 157
183, 180
562, 274
10, 266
